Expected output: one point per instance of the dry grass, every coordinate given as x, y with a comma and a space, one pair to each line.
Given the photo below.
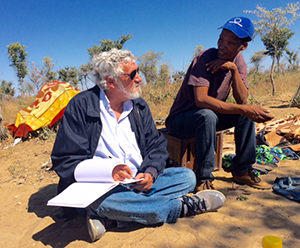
261, 88
160, 99
12, 107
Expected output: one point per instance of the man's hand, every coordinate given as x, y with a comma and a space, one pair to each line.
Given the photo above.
257, 113
144, 185
121, 171
218, 64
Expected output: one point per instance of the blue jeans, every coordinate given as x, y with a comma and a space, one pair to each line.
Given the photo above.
289, 187
203, 124
163, 206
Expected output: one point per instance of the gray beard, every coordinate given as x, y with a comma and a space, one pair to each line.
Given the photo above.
131, 93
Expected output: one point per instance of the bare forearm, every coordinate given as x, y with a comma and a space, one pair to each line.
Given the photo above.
203, 100
255, 113
240, 92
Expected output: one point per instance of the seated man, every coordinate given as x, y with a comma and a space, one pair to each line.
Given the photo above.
200, 110
108, 131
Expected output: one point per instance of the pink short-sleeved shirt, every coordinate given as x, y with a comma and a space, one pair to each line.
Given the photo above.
219, 83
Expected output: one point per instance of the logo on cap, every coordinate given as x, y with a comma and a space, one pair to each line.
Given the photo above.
237, 21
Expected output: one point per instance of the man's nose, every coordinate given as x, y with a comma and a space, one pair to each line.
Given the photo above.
138, 78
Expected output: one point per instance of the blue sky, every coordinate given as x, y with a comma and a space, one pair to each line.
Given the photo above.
64, 29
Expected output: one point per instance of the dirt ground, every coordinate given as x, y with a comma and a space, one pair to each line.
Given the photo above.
247, 216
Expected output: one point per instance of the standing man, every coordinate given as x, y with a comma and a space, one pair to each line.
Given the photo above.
200, 108
107, 134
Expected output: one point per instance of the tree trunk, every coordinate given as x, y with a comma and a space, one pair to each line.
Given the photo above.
271, 76
22, 88
86, 85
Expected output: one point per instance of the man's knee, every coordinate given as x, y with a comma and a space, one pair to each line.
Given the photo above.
207, 116
246, 121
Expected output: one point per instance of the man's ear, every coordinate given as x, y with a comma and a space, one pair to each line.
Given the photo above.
110, 82
244, 46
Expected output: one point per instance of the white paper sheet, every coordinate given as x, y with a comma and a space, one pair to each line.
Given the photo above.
82, 194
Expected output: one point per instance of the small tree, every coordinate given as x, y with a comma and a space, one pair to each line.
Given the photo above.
198, 49
256, 60
49, 74
272, 27
293, 59
163, 75
178, 76
36, 77
85, 71
6, 89
39, 76
17, 55
281, 40
69, 75
149, 65
106, 45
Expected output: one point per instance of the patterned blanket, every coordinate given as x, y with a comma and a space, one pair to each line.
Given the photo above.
46, 110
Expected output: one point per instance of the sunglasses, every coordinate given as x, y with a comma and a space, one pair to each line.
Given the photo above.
132, 74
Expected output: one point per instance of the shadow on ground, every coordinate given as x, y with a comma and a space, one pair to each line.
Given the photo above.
69, 225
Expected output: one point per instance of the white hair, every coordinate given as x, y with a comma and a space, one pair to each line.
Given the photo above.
108, 64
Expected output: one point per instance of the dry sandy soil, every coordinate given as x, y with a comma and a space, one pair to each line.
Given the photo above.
26, 221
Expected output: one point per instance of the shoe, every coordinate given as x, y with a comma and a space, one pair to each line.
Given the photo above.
204, 186
202, 201
252, 180
265, 168
97, 227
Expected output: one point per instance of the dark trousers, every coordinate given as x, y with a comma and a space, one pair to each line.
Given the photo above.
203, 124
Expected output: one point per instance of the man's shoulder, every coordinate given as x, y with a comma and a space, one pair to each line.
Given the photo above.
87, 94
207, 55
87, 99
210, 52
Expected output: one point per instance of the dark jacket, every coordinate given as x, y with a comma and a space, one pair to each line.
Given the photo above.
80, 130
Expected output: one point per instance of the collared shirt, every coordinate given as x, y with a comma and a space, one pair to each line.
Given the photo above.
117, 145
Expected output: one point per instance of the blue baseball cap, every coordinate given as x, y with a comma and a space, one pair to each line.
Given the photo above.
242, 27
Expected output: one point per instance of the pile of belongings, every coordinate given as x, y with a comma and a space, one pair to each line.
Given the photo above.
284, 133
275, 141
45, 111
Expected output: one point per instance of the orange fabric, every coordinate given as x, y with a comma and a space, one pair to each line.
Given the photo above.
46, 110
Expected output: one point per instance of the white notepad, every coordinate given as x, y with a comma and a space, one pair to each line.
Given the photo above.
82, 194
